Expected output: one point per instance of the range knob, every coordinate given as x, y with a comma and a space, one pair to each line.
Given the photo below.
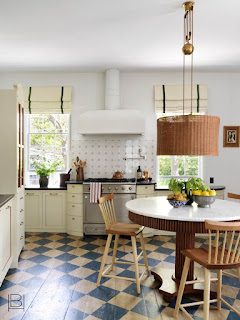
123, 188
130, 188
116, 188
109, 188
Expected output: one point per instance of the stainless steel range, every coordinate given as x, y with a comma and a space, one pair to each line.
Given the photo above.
123, 189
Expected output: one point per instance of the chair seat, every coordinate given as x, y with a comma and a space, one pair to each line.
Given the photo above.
200, 255
125, 229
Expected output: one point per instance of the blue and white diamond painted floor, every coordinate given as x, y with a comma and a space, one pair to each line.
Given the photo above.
57, 275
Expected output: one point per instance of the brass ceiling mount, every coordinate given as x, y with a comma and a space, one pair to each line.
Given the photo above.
188, 5
188, 47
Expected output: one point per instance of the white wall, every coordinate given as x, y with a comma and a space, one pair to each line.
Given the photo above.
137, 92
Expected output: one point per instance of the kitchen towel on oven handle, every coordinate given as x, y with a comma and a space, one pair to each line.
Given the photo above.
95, 191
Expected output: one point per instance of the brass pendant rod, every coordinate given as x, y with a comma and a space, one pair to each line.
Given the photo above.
184, 40
192, 63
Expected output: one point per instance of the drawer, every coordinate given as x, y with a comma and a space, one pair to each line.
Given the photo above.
145, 189
75, 209
75, 198
144, 196
75, 188
75, 224
94, 229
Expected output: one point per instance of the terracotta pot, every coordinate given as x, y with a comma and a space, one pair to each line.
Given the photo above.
117, 175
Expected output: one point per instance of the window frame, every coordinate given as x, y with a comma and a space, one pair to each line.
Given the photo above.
200, 170
48, 133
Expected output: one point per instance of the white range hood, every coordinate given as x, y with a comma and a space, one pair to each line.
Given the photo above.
111, 120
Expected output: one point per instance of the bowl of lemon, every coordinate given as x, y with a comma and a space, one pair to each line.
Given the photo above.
177, 199
204, 198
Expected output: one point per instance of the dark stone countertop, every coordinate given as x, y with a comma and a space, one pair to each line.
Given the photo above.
4, 198
74, 182
44, 189
212, 187
139, 183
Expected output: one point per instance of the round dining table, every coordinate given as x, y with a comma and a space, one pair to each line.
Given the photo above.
157, 213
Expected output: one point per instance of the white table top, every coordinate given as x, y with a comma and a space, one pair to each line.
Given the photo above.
158, 207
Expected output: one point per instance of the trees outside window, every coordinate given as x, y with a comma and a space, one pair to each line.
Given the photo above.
48, 137
178, 167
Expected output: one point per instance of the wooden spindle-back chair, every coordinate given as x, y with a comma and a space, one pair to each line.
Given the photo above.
216, 257
113, 227
234, 197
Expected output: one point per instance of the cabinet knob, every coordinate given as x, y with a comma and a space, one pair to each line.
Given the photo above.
53, 194
21, 198
73, 206
146, 187
73, 186
21, 210
73, 218
21, 238
73, 196
21, 223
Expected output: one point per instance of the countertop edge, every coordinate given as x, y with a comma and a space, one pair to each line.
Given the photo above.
8, 197
212, 187
46, 189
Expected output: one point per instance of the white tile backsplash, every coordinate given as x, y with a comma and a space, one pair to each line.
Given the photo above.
105, 156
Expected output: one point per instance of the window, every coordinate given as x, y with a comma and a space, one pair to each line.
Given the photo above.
48, 137
177, 166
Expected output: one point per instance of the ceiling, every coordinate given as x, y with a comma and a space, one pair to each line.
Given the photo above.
94, 35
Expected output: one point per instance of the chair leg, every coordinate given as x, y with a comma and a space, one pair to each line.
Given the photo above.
144, 253
219, 289
114, 250
206, 304
182, 286
135, 260
109, 239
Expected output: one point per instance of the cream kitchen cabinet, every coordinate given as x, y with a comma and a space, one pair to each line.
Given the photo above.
75, 209
12, 161
145, 191
33, 211
45, 210
54, 211
6, 248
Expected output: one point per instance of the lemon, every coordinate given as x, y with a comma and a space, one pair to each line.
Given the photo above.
197, 192
212, 193
205, 193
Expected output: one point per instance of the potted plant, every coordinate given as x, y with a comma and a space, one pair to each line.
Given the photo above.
43, 168
176, 185
190, 184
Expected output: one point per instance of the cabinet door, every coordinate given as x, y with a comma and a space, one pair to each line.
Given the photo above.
54, 210
33, 210
5, 236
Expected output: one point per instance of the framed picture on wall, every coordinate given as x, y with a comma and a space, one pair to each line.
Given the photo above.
231, 136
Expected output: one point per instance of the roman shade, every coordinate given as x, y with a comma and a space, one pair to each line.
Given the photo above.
45, 100
169, 99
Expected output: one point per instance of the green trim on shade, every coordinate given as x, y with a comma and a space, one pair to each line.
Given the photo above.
29, 100
62, 100
197, 98
164, 99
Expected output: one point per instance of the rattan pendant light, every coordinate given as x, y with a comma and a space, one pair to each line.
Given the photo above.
190, 134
